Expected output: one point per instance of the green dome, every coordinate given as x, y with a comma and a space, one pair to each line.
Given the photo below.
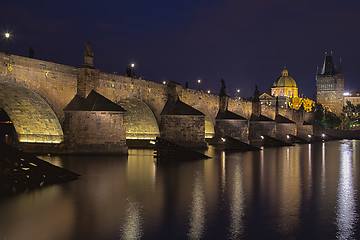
285, 80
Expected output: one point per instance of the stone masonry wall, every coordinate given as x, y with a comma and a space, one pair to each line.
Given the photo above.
283, 129
259, 128
232, 127
57, 84
100, 132
186, 130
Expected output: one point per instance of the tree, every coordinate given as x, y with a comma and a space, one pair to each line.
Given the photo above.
319, 113
325, 117
350, 115
331, 121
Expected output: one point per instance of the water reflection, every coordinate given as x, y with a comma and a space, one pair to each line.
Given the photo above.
323, 168
346, 217
197, 209
290, 194
132, 227
223, 172
236, 204
276, 193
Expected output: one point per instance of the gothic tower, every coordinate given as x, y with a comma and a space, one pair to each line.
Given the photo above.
330, 85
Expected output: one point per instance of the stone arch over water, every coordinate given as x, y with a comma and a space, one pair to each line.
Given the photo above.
32, 117
209, 121
140, 120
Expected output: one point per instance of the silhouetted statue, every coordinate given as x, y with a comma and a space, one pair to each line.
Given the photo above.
224, 98
223, 91
88, 50
31, 52
88, 56
186, 84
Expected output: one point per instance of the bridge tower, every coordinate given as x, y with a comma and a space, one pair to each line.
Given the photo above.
330, 85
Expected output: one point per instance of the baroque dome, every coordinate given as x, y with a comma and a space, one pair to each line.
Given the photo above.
285, 80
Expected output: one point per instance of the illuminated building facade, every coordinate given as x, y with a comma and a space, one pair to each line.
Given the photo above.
353, 97
284, 86
285, 89
330, 86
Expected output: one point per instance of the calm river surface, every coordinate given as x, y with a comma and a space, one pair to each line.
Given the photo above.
301, 192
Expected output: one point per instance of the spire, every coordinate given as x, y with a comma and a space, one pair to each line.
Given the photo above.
340, 68
328, 67
285, 72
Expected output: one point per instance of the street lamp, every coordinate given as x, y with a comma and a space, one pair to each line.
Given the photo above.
238, 93
132, 65
7, 36
199, 82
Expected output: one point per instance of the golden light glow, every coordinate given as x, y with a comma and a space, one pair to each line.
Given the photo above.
7, 35
296, 103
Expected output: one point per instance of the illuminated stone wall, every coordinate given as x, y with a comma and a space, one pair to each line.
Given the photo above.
283, 129
186, 130
141, 122
304, 130
233, 127
330, 91
95, 131
33, 119
57, 84
259, 128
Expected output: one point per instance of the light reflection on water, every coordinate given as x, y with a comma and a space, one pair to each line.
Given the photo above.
236, 203
346, 216
197, 208
132, 227
300, 192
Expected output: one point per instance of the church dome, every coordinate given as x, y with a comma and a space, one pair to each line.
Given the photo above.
285, 80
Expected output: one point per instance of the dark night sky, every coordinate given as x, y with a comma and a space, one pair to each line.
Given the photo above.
244, 42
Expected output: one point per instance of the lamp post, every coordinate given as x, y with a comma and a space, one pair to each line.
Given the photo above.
199, 82
130, 70
7, 36
238, 93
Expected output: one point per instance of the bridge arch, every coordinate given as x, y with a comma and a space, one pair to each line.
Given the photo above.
32, 117
209, 120
140, 120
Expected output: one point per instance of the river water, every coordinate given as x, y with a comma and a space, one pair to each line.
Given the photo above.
308, 191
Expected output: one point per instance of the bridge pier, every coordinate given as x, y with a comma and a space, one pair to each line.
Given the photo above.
94, 125
181, 123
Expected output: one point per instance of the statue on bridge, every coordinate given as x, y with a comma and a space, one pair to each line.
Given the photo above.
88, 56
224, 97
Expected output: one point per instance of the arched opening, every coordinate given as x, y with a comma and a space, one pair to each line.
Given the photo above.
33, 119
141, 123
7, 130
209, 123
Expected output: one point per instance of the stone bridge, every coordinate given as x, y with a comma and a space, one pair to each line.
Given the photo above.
34, 94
